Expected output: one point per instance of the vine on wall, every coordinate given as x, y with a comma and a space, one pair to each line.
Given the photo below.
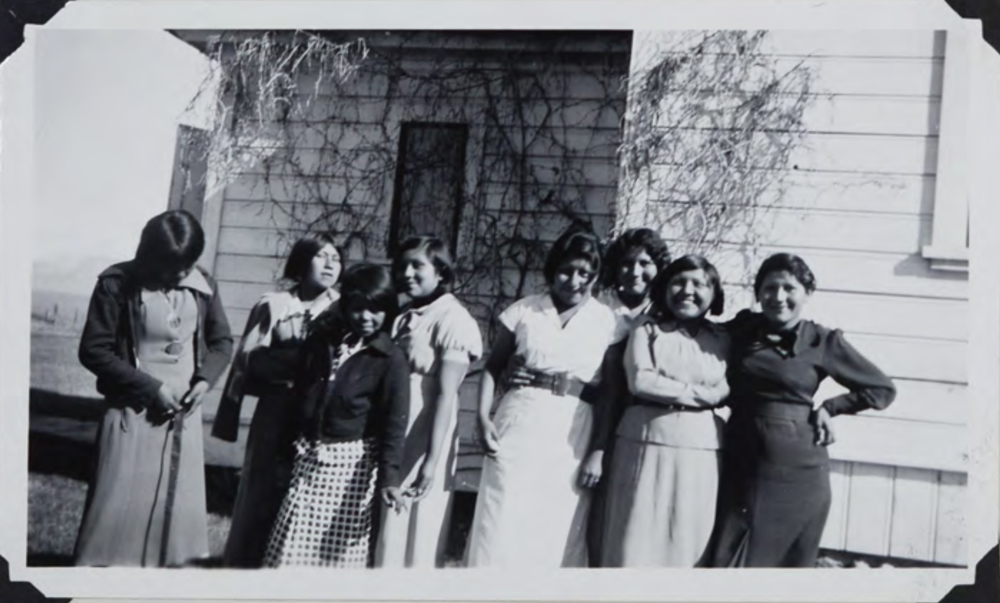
309, 123
713, 122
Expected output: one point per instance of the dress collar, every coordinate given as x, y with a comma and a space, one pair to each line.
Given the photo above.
196, 281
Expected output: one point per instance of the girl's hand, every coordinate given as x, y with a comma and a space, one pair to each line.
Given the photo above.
590, 473
421, 487
394, 499
167, 402
488, 436
823, 424
193, 398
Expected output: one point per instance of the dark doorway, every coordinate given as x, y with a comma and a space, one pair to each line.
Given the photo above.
430, 177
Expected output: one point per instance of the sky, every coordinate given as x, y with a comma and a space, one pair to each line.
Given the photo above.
107, 107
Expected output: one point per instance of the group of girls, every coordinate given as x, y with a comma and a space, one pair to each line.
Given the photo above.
600, 408
610, 448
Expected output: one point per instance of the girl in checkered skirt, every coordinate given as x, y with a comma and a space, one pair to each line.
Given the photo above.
352, 397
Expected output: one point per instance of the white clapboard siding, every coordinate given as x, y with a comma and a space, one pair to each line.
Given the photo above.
890, 274
897, 512
899, 44
828, 230
291, 189
857, 153
918, 400
858, 205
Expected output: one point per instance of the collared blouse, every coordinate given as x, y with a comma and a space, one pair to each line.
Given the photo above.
789, 367
664, 360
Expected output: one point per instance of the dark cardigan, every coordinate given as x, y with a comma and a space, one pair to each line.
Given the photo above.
108, 345
368, 397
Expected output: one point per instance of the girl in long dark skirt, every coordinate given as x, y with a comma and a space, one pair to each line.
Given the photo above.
774, 490
265, 364
353, 399
157, 339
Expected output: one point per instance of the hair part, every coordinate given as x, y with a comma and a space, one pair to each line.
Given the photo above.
436, 251
785, 262
574, 244
369, 285
300, 258
661, 283
171, 240
644, 239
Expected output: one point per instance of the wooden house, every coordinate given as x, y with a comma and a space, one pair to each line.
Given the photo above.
499, 140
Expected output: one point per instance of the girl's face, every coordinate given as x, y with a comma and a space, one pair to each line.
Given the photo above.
169, 278
782, 298
636, 272
417, 274
324, 270
572, 282
363, 319
690, 294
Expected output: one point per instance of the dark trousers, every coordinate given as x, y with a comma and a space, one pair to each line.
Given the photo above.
774, 493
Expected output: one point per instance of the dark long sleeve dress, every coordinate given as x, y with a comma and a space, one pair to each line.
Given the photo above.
774, 494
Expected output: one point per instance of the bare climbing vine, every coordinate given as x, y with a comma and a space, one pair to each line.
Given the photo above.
713, 122
308, 130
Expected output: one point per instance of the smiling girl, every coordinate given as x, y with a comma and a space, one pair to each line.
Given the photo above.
775, 487
531, 510
265, 365
352, 400
664, 474
440, 339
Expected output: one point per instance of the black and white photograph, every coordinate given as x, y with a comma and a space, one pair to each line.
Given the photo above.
482, 302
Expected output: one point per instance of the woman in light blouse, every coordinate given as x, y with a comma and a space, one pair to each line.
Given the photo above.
663, 478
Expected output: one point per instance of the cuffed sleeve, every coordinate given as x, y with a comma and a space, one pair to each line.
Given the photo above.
396, 404
457, 337
869, 387
98, 351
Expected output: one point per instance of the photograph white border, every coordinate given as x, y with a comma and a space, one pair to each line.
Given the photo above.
16, 240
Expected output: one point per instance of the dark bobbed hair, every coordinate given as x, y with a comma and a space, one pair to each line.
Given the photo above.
301, 256
436, 251
371, 286
171, 240
574, 244
645, 239
785, 262
658, 290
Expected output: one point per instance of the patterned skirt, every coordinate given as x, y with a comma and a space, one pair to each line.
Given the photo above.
326, 517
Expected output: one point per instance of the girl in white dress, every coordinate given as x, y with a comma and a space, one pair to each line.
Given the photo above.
441, 339
531, 510
265, 365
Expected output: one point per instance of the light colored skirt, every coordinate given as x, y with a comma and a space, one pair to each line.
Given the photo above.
661, 505
326, 517
418, 536
530, 511
125, 522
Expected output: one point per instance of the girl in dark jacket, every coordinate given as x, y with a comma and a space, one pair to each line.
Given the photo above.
774, 490
157, 339
352, 396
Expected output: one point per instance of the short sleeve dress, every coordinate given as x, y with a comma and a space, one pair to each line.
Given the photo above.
531, 511
428, 334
